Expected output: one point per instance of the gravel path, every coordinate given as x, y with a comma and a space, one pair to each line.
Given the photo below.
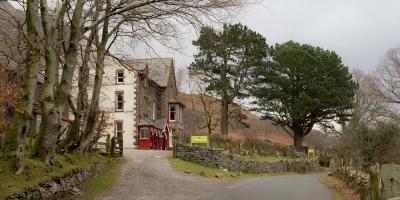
147, 175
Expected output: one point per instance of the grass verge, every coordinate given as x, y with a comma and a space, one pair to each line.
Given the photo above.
100, 184
37, 171
197, 169
340, 191
273, 158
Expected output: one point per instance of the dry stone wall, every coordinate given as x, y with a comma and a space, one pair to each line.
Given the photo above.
218, 158
60, 186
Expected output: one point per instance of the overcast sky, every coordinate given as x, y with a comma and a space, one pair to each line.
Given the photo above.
360, 31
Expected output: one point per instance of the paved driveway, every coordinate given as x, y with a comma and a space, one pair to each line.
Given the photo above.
147, 175
298, 187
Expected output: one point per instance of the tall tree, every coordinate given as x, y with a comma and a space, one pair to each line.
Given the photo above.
301, 86
14, 149
226, 60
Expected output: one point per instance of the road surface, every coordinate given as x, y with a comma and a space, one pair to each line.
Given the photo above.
298, 187
147, 175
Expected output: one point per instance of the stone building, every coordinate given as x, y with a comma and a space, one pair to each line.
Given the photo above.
139, 96
159, 113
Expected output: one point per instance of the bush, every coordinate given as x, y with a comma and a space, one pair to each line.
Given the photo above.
369, 145
250, 147
324, 160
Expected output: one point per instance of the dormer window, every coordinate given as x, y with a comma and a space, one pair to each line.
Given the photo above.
120, 76
172, 113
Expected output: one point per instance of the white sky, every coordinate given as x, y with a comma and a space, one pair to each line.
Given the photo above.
360, 31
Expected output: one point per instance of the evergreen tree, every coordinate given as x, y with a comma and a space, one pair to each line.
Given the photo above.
300, 86
226, 60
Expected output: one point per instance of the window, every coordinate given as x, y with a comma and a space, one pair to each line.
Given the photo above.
119, 103
144, 133
146, 106
172, 113
154, 110
120, 76
118, 128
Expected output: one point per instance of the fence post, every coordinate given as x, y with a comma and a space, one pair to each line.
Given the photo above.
108, 144
113, 146
374, 183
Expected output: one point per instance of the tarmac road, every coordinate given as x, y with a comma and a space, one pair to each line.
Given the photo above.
297, 187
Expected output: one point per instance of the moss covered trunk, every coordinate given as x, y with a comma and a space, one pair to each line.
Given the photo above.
15, 140
54, 101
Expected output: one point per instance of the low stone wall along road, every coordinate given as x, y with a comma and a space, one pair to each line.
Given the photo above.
148, 176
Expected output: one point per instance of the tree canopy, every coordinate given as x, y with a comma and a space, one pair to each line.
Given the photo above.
226, 60
300, 86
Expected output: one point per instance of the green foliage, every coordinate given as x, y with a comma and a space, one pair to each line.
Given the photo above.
302, 85
369, 145
226, 58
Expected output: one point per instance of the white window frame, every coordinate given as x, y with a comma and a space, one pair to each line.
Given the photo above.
169, 113
118, 93
140, 134
116, 127
119, 71
154, 110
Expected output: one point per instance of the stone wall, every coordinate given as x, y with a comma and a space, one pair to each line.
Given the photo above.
217, 158
60, 186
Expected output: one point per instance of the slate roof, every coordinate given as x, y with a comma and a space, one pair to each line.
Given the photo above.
158, 124
159, 68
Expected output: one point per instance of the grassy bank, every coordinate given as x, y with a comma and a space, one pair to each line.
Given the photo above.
36, 171
340, 191
100, 184
197, 169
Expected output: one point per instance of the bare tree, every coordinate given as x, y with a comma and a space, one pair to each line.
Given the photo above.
389, 76
210, 109
370, 105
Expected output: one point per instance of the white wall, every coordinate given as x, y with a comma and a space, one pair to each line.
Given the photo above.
107, 100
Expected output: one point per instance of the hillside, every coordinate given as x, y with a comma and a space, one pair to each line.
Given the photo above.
259, 129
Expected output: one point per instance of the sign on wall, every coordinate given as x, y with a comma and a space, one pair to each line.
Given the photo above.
199, 140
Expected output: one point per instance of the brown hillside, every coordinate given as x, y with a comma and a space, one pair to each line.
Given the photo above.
259, 129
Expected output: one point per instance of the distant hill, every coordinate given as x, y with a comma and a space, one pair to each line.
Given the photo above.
259, 129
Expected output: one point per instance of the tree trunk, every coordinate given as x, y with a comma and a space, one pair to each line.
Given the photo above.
298, 139
71, 142
224, 116
94, 103
93, 111
53, 105
32, 131
14, 147
49, 116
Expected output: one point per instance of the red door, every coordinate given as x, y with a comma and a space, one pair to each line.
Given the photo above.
144, 138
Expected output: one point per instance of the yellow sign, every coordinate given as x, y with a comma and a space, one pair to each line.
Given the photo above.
311, 152
199, 140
